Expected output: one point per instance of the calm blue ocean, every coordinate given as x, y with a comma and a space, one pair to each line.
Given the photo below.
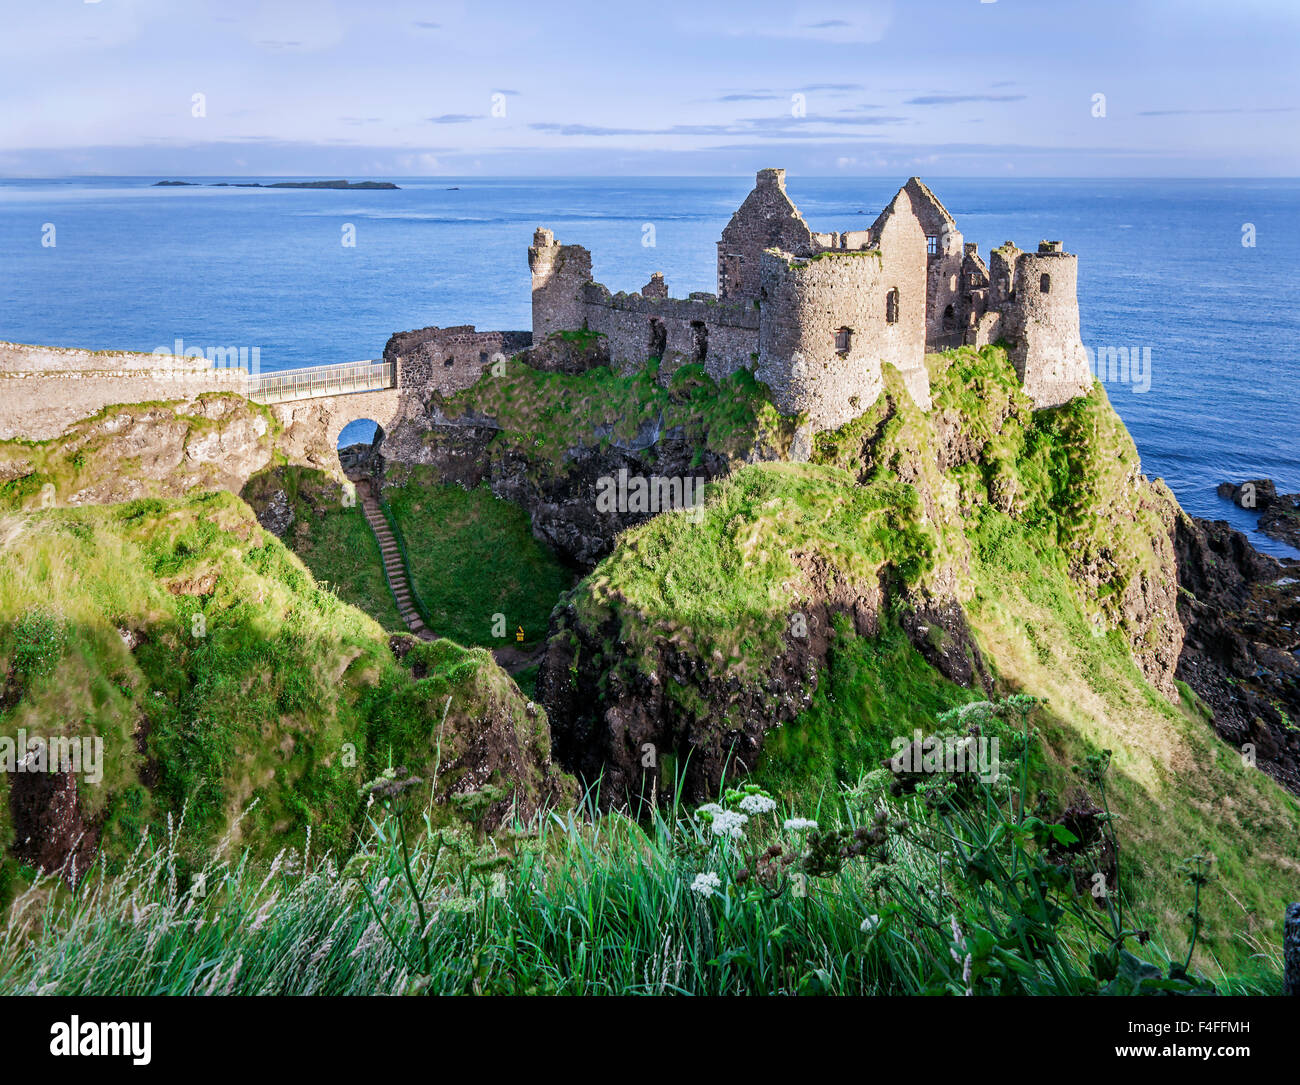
1162, 267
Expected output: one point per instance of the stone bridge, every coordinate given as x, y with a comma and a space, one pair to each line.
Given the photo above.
317, 403
44, 391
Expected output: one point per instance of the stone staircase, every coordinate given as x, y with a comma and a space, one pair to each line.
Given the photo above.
394, 567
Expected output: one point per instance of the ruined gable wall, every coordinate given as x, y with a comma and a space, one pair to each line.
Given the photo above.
767, 219
447, 360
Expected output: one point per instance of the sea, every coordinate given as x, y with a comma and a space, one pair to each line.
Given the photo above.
1195, 283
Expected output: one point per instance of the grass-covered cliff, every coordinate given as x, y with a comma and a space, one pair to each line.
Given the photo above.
810, 615
228, 687
927, 559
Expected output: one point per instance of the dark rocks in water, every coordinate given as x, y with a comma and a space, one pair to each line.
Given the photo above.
349, 185
1257, 493
1279, 513
1240, 612
1281, 520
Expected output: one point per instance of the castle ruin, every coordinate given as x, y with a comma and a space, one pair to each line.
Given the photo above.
815, 315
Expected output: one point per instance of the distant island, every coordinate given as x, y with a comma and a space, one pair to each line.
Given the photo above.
277, 184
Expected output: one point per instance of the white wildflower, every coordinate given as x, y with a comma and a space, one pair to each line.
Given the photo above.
706, 884
757, 804
870, 924
709, 808
799, 825
730, 823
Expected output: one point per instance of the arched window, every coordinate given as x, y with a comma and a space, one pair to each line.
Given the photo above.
891, 306
949, 319
1044, 284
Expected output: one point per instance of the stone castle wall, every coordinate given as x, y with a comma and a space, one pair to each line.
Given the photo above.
1041, 323
722, 337
560, 272
447, 360
44, 390
767, 219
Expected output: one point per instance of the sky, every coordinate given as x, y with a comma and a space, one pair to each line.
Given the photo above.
375, 88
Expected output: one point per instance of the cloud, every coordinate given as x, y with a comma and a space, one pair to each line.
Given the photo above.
1203, 112
452, 118
778, 127
954, 99
867, 23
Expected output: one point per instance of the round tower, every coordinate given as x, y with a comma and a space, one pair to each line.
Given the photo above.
1043, 325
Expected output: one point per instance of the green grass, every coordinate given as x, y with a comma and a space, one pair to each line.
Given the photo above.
1051, 541
722, 581
952, 890
473, 556
260, 700
871, 690
333, 539
544, 415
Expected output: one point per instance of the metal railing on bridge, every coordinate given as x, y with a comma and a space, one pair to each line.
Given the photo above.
322, 380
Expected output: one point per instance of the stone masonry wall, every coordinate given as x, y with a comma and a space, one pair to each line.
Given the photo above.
1042, 324
44, 390
559, 274
767, 219
726, 335
805, 303
447, 360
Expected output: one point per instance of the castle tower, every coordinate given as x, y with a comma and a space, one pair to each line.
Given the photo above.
560, 277
827, 324
1041, 322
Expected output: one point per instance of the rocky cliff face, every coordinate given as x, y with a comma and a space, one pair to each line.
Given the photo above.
675, 718
212, 442
1241, 612
618, 681
562, 504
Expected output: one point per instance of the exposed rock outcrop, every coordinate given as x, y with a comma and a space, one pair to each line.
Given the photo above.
642, 723
561, 503
1241, 612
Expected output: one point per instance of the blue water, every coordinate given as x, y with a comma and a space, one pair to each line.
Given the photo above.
1162, 266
